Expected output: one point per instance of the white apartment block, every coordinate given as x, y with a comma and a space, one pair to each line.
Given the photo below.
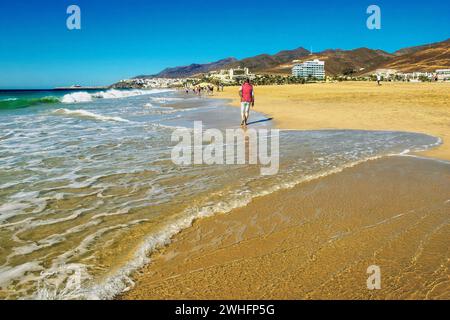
307, 69
443, 74
391, 74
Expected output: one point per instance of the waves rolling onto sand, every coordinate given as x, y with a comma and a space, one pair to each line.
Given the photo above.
23, 99
89, 189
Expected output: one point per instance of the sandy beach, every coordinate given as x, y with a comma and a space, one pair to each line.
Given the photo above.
412, 107
316, 240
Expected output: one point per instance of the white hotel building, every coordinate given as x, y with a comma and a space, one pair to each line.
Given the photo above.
313, 69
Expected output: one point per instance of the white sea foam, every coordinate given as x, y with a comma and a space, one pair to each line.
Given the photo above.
165, 99
171, 127
118, 94
8, 274
87, 115
160, 109
8, 210
51, 288
122, 281
82, 96
77, 97
62, 268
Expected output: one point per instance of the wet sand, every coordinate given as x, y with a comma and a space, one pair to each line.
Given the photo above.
316, 241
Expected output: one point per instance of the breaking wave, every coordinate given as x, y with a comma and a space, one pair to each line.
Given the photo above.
78, 97
74, 97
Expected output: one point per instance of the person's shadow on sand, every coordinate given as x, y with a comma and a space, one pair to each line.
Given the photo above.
260, 121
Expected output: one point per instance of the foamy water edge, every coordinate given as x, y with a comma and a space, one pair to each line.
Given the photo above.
122, 280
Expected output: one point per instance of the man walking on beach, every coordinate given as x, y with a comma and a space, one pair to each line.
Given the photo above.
247, 99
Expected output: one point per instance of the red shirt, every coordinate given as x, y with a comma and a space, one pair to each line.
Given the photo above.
247, 92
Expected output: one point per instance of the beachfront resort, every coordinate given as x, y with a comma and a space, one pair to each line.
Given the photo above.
310, 69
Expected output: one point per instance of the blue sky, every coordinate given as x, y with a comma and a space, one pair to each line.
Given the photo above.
121, 39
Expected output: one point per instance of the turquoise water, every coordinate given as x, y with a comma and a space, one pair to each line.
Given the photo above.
15, 99
23, 99
88, 188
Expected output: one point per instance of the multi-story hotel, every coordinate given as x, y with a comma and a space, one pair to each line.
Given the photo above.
310, 69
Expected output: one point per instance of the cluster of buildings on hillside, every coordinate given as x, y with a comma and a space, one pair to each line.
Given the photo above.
314, 69
149, 83
392, 74
231, 75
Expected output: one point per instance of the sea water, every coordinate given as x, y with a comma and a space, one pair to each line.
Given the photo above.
88, 189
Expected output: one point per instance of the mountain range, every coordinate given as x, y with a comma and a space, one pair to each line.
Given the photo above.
359, 61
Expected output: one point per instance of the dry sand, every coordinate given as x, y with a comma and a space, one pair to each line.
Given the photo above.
316, 240
413, 107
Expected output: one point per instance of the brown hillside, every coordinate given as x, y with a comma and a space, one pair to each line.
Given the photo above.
429, 58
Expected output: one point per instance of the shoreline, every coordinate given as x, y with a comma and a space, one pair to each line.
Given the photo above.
270, 249
148, 276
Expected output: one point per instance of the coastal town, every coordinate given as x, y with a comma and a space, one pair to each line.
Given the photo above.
302, 72
424, 63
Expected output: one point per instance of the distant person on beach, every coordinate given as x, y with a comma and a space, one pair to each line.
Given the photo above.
247, 99
379, 79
